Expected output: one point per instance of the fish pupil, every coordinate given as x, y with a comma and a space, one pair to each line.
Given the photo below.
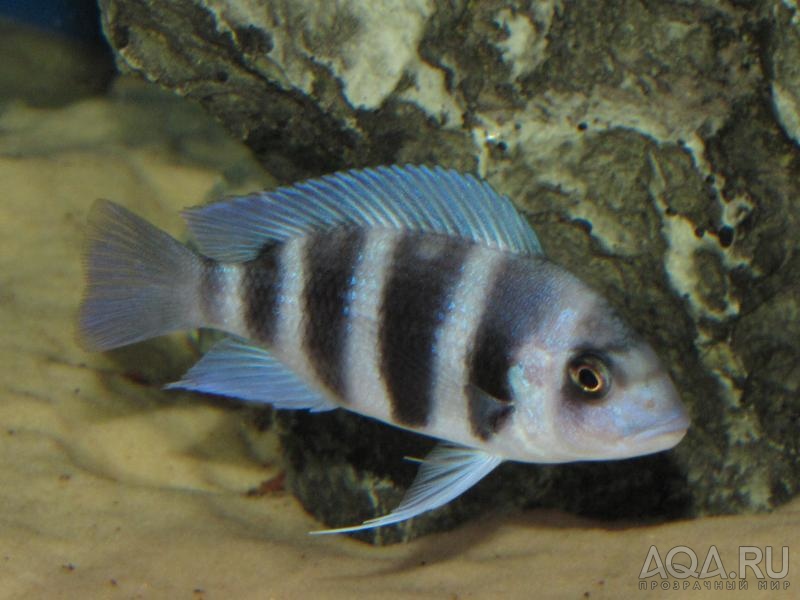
588, 379
589, 375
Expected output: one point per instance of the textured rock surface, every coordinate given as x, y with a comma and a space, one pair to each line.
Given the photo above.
653, 145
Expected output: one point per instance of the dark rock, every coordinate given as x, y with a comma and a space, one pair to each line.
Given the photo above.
654, 146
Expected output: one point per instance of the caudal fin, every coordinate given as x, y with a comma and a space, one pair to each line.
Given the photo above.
140, 282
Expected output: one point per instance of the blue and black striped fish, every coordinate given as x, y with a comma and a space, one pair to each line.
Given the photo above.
416, 296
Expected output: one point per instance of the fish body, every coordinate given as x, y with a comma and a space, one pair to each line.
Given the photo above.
415, 296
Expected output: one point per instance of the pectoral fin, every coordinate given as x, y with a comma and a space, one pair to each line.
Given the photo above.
446, 473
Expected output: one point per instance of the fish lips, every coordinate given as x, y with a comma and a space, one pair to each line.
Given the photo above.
664, 436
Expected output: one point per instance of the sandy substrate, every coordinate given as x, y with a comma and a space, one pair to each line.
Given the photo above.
112, 488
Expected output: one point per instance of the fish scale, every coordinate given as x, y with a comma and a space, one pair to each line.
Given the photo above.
415, 296
330, 262
424, 270
260, 287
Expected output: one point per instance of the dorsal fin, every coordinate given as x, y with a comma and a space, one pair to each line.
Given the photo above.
411, 197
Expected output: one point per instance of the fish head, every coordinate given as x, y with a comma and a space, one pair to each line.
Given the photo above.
618, 403
604, 393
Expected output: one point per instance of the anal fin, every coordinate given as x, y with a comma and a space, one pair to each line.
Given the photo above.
446, 473
240, 370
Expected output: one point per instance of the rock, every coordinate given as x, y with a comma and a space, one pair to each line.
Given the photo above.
783, 60
653, 146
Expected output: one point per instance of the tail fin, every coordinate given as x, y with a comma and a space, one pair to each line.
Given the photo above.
140, 282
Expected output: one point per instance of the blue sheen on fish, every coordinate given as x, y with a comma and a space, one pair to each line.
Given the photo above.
416, 296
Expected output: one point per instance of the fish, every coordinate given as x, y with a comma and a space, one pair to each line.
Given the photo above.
414, 295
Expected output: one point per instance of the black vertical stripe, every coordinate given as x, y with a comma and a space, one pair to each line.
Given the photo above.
261, 283
424, 271
520, 292
331, 259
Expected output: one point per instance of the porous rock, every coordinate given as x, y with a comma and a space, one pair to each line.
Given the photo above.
654, 147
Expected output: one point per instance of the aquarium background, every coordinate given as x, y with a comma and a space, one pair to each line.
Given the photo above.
653, 146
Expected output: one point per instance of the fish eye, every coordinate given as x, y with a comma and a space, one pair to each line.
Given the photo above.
589, 374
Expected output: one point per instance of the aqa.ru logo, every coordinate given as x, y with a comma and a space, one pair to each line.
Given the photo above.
674, 565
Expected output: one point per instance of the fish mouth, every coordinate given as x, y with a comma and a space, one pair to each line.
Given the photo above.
666, 435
